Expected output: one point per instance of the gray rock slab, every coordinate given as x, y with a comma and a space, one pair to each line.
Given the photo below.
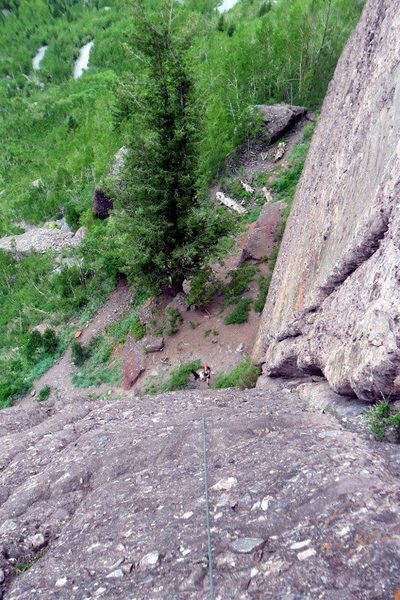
111, 485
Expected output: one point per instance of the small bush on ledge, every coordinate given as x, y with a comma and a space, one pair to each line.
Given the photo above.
240, 313
243, 376
381, 419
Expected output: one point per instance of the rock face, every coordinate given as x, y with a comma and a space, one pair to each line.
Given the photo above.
334, 301
106, 500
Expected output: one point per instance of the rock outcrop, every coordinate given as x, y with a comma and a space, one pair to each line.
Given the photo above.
106, 500
259, 240
334, 302
102, 202
133, 363
51, 236
277, 119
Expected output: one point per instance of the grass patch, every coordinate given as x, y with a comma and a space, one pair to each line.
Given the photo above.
240, 313
240, 280
178, 379
381, 419
44, 393
243, 376
263, 286
174, 320
252, 214
213, 332
102, 364
138, 330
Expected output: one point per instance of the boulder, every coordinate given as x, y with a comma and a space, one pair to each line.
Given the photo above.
278, 119
79, 236
153, 344
179, 303
101, 204
261, 235
133, 363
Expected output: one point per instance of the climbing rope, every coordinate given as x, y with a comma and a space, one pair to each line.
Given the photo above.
210, 564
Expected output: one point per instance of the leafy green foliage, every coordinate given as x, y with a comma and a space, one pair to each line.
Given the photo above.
243, 376
38, 345
203, 287
288, 55
80, 353
169, 231
381, 419
44, 393
240, 280
240, 314
252, 214
138, 330
263, 286
173, 320
178, 379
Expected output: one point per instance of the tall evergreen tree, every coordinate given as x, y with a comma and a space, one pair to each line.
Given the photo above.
169, 232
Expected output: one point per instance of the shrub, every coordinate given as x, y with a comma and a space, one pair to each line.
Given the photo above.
380, 419
33, 345
240, 313
243, 376
213, 332
79, 354
263, 287
203, 287
44, 393
239, 283
264, 8
174, 320
37, 345
231, 29
138, 330
50, 341
221, 23
394, 422
179, 377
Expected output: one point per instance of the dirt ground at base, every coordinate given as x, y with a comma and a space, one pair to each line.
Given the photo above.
203, 335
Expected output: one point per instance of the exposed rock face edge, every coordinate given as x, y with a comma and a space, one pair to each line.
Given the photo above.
334, 300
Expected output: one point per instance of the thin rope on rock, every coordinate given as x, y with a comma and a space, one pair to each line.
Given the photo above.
210, 564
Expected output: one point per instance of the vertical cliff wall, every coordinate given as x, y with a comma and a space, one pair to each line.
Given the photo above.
334, 302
